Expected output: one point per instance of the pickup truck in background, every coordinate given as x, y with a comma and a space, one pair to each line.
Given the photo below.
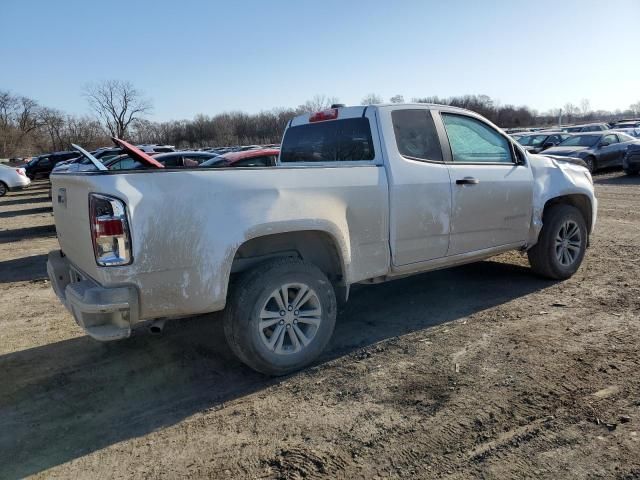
358, 195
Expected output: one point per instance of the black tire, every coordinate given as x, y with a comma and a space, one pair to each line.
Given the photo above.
251, 295
591, 162
543, 256
3, 189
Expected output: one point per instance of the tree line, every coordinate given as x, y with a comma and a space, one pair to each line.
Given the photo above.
28, 128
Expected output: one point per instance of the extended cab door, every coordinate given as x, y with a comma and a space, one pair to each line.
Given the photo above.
492, 191
419, 186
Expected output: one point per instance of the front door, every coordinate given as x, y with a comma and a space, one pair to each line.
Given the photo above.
610, 153
42, 168
492, 193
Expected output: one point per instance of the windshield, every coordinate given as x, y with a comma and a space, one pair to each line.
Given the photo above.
580, 141
532, 140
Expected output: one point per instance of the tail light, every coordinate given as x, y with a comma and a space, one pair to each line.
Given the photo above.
109, 230
330, 114
21, 172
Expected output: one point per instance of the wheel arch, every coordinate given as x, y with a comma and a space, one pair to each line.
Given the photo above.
316, 246
580, 201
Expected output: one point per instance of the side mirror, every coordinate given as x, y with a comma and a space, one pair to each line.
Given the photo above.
604, 144
519, 157
548, 145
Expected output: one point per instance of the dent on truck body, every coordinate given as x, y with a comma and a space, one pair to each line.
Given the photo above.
553, 179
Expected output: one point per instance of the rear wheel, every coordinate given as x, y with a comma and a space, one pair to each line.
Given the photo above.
3, 189
561, 245
591, 163
280, 316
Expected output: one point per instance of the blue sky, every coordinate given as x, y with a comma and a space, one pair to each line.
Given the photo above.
194, 57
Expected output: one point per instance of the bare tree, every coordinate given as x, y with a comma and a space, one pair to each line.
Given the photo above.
397, 99
635, 108
117, 103
53, 122
371, 99
585, 106
317, 103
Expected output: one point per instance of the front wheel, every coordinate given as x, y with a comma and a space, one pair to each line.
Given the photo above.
591, 163
561, 245
280, 316
3, 189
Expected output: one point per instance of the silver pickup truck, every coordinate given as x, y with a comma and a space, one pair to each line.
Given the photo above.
359, 195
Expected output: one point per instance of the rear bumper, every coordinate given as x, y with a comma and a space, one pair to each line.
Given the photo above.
104, 313
19, 183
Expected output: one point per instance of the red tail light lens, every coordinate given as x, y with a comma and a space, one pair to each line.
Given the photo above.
21, 172
330, 114
109, 227
109, 230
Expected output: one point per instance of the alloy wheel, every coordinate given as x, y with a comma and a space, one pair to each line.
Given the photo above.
568, 243
290, 318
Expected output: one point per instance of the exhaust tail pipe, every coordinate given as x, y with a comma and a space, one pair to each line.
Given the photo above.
157, 326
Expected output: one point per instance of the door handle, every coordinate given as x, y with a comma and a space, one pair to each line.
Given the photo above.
467, 181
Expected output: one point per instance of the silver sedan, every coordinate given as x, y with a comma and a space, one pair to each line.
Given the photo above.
12, 178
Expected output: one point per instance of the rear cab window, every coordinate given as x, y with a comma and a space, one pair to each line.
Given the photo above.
327, 141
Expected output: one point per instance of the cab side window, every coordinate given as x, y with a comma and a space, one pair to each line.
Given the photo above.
472, 141
416, 135
610, 139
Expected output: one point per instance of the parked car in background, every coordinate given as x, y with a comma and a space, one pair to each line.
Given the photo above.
81, 163
155, 148
12, 178
184, 159
538, 142
632, 132
106, 155
587, 127
359, 195
259, 157
41, 167
597, 150
631, 160
627, 124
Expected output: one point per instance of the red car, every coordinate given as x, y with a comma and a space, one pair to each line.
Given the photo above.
259, 157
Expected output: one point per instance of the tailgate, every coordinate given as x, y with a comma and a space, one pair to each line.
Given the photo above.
70, 199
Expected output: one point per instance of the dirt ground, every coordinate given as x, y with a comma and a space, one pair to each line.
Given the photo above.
480, 371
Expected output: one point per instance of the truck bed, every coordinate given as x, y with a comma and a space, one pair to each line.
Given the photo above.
186, 226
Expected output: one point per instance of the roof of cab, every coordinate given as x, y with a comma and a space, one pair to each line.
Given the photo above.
359, 111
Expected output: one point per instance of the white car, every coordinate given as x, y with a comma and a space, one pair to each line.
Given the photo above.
12, 178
